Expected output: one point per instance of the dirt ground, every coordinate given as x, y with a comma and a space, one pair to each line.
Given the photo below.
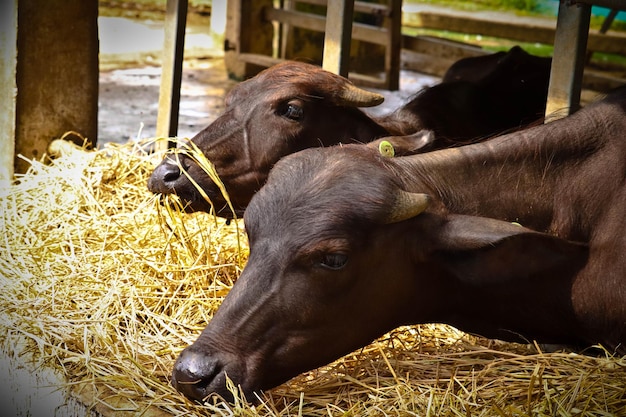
129, 97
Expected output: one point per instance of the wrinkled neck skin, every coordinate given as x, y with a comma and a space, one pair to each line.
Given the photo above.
522, 177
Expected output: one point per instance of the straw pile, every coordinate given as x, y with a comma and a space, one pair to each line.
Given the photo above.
106, 285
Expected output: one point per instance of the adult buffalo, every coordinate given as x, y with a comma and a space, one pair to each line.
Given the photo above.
346, 244
520, 66
293, 106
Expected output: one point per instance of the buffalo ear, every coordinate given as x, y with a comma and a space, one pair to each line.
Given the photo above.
486, 251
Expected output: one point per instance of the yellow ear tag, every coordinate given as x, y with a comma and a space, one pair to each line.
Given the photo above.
386, 149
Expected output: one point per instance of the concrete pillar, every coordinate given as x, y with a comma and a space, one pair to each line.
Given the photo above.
8, 60
57, 74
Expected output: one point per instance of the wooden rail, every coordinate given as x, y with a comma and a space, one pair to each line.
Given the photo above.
569, 34
247, 51
318, 23
267, 61
523, 30
359, 6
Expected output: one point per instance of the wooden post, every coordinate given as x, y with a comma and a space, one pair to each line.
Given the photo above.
171, 69
56, 74
218, 18
394, 45
8, 64
247, 31
339, 16
568, 61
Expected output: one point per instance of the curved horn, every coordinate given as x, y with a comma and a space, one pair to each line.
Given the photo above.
407, 205
352, 96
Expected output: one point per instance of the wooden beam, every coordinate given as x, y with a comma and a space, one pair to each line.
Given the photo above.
520, 30
393, 25
611, 4
359, 6
339, 16
431, 55
440, 47
247, 31
360, 31
260, 60
171, 69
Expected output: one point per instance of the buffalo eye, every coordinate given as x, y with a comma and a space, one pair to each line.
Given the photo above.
334, 261
291, 111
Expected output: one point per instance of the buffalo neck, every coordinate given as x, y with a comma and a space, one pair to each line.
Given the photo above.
359, 128
522, 177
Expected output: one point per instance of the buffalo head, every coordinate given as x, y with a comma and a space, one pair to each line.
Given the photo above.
339, 255
284, 109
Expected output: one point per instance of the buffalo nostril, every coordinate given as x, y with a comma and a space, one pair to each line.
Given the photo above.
170, 172
163, 178
200, 376
192, 374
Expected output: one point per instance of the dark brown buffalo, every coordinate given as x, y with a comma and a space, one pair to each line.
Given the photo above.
479, 97
522, 68
346, 244
293, 106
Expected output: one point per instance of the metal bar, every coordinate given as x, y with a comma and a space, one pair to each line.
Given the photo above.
338, 36
172, 69
570, 43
